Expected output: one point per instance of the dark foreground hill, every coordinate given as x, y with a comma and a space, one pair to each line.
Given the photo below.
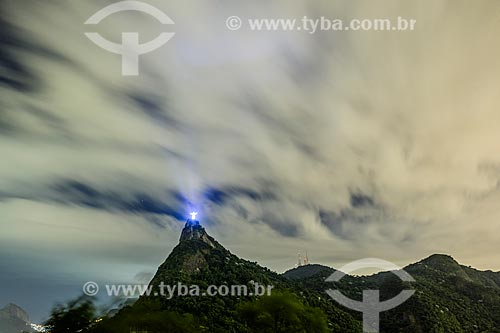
199, 260
448, 298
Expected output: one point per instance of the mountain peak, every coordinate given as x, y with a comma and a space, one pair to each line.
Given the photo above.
307, 271
194, 231
14, 311
440, 260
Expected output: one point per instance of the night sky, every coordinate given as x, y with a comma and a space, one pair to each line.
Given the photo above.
343, 144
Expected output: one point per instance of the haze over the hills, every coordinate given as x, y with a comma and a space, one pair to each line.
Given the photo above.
344, 144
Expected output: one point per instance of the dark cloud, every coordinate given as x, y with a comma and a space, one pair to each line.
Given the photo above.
361, 200
14, 73
222, 194
16, 45
154, 108
75, 192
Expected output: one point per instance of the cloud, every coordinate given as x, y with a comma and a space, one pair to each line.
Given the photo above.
347, 144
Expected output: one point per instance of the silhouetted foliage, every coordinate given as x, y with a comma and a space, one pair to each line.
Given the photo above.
76, 316
282, 313
151, 320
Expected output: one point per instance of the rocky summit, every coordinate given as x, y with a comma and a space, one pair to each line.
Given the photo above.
193, 231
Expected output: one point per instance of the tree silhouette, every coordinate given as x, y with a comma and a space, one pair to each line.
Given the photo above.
76, 316
282, 313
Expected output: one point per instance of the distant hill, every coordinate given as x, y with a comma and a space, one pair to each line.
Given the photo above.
449, 297
306, 271
13, 319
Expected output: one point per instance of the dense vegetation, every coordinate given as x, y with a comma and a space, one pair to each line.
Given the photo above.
449, 298
76, 316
